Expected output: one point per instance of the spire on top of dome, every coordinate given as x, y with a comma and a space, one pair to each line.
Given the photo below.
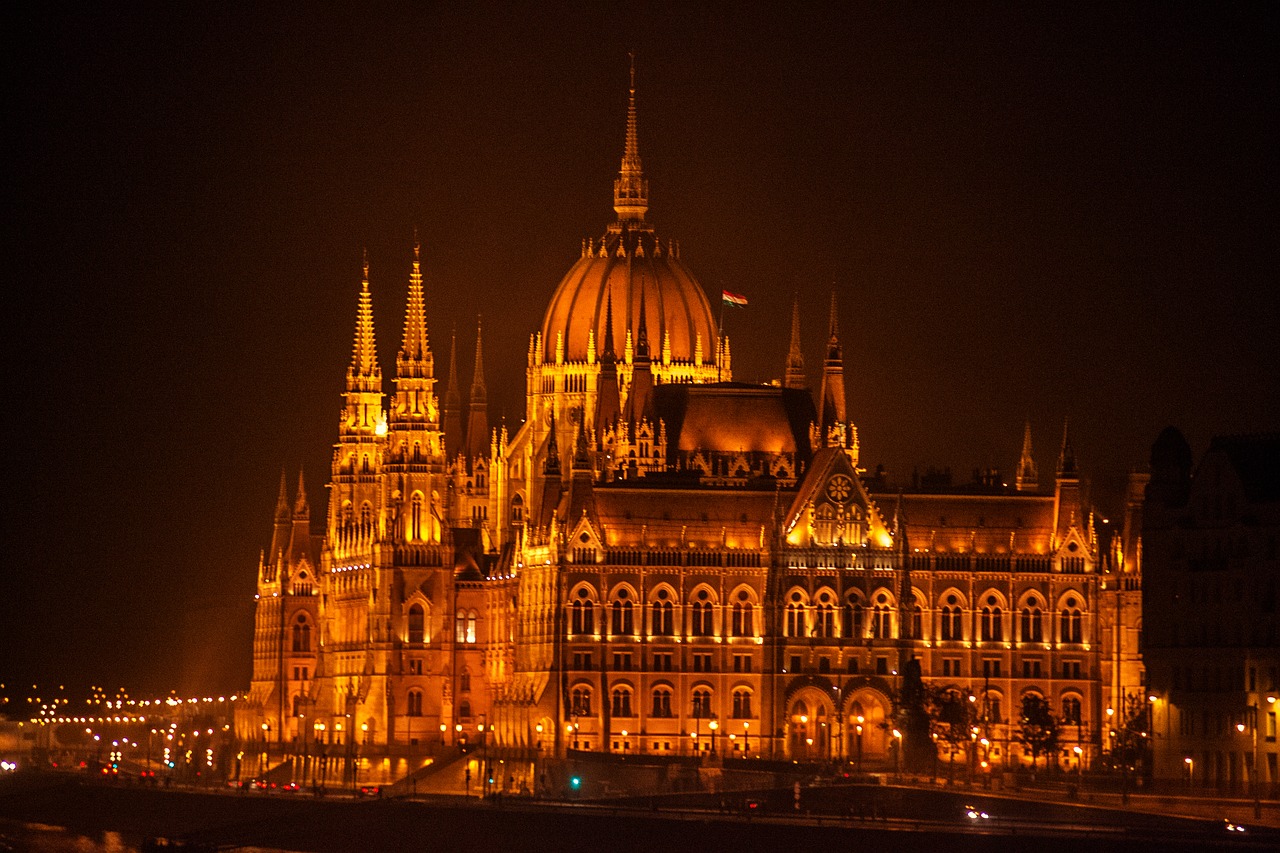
630, 189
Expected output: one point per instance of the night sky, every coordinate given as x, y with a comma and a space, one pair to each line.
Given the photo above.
1039, 211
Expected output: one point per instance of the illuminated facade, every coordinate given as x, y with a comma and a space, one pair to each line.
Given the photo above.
660, 560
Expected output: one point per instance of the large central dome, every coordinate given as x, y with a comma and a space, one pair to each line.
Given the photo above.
627, 271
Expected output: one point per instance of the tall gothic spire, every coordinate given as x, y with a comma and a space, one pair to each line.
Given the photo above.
415, 358
478, 406
831, 408
609, 353
1027, 479
795, 358
300, 506
364, 373
630, 189
453, 404
1067, 455
282, 499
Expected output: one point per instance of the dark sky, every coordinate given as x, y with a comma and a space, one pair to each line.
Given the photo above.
1039, 211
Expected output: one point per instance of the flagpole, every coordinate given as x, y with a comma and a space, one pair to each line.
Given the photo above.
720, 340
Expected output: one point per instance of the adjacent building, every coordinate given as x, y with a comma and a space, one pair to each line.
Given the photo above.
1210, 534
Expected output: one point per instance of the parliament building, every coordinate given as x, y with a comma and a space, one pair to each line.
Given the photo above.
662, 561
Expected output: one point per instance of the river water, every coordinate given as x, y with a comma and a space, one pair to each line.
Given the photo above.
19, 837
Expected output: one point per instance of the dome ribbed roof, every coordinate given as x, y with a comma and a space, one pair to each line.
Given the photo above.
674, 302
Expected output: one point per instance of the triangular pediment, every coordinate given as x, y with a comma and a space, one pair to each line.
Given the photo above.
832, 506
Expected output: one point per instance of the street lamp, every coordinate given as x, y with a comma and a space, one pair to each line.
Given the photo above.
897, 738
1190, 769
746, 738
714, 725
861, 720
1253, 776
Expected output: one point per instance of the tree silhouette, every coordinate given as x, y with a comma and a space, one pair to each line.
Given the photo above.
1039, 727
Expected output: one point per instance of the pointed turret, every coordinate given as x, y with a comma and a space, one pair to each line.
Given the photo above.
282, 500
639, 400
478, 406
283, 518
1027, 479
415, 400
630, 189
831, 408
1066, 490
1067, 455
453, 435
363, 415
364, 374
794, 377
608, 403
301, 508
551, 466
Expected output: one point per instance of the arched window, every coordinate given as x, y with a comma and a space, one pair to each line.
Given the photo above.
621, 704
952, 619
1069, 627
417, 624
742, 703
414, 706
661, 702
743, 616
301, 634
416, 518
824, 616
882, 618
464, 710
1032, 623
1071, 710
917, 622
517, 510
992, 620
853, 616
702, 702
663, 620
465, 625
582, 614
824, 528
580, 702
700, 618
622, 611
795, 624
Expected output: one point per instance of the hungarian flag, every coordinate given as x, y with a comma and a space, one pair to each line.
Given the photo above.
736, 299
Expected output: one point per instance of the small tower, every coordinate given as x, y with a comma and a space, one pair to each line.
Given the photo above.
453, 434
607, 402
1027, 479
794, 377
478, 407
831, 408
